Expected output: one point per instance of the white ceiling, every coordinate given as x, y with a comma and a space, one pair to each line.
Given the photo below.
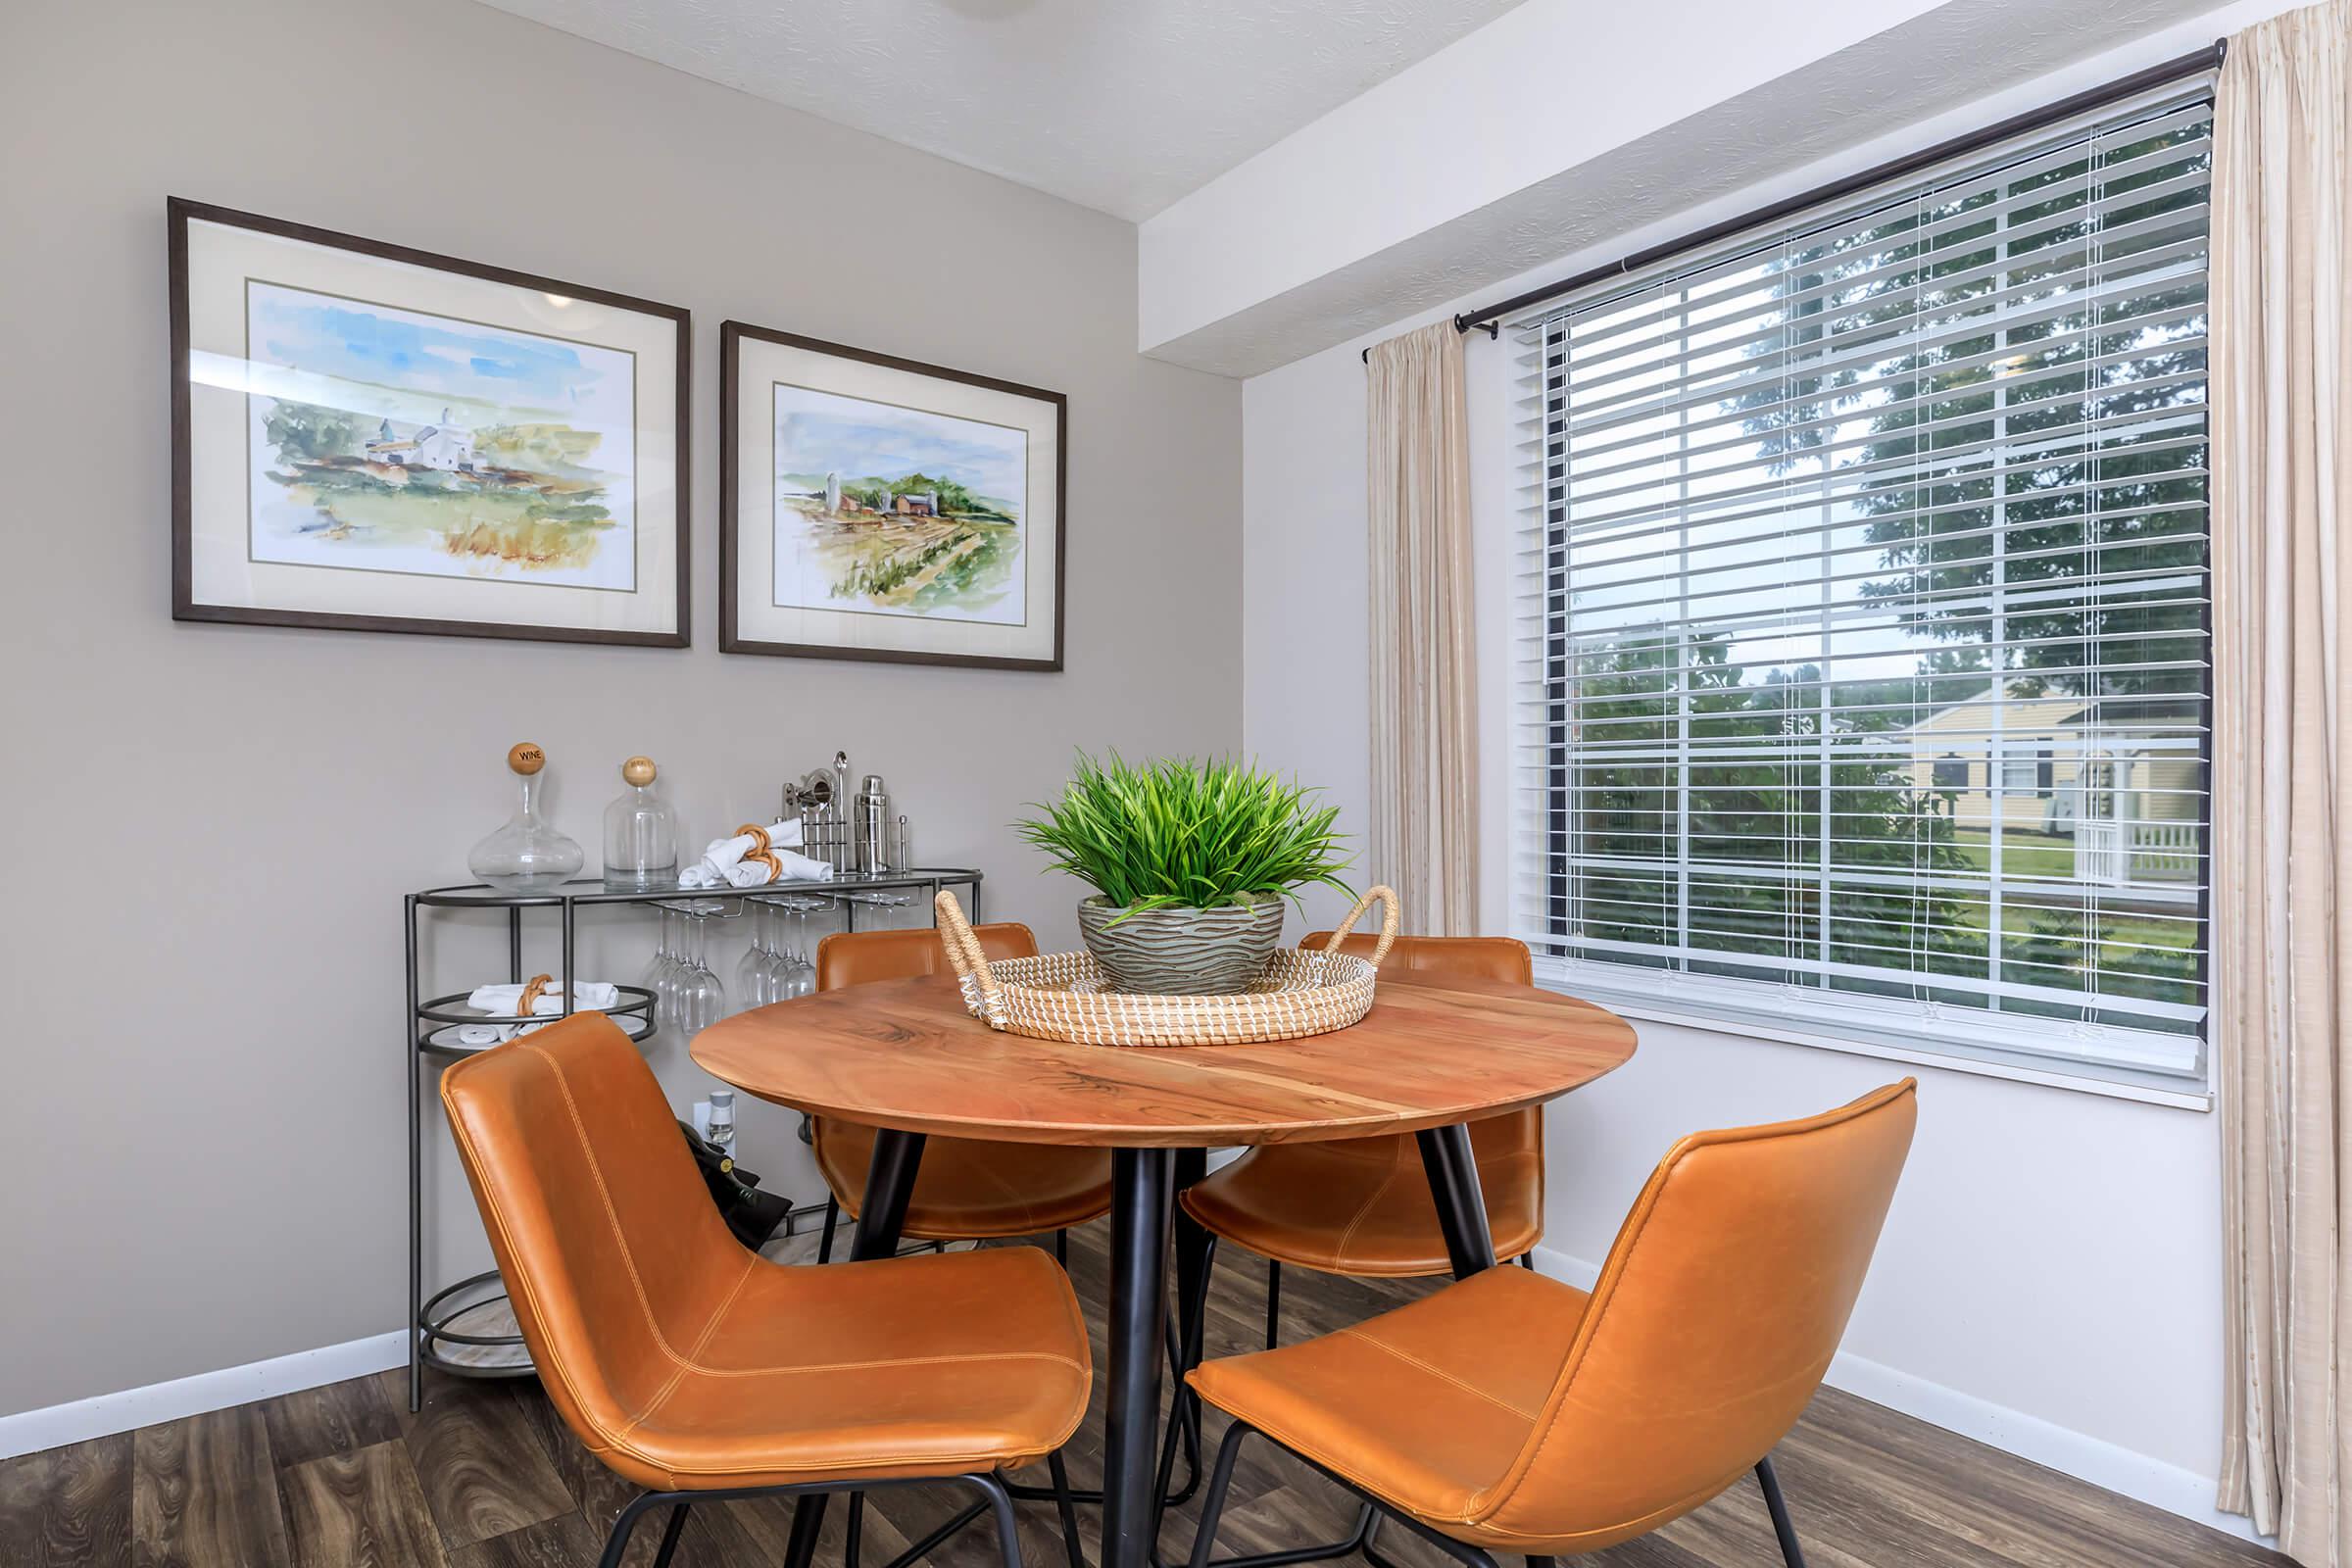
1119, 105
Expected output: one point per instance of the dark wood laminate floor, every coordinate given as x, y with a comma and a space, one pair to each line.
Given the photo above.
485, 1477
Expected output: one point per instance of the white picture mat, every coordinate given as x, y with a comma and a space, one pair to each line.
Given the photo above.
222, 256
759, 366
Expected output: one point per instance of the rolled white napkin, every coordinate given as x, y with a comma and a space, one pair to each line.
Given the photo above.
801, 869
749, 874
495, 1034
720, 855
587, 995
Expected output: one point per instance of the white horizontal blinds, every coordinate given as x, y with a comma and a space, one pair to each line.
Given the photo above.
1861, 611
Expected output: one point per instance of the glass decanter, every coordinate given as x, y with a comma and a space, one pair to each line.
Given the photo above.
641, 834
528, 855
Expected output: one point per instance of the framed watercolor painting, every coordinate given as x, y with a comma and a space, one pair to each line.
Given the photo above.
875, 508
367, 438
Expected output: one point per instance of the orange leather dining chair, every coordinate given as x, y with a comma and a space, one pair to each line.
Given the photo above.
1509, 1412
965, 1189
1362, 1206
700, 1370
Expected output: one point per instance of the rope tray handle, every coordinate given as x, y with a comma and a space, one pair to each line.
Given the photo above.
1388, 923
956, 934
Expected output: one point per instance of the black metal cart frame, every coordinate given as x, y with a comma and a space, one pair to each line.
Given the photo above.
429, 1318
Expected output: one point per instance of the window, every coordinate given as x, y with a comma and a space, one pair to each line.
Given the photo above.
1864, 689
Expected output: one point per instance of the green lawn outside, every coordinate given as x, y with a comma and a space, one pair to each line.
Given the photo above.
2022, 853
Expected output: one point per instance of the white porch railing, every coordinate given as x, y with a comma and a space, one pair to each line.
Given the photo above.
2114, 853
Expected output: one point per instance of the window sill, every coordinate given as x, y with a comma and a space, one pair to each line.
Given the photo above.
2183, 1099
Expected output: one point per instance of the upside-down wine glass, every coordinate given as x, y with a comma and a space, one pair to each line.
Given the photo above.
702, 999
660, 973
751, 987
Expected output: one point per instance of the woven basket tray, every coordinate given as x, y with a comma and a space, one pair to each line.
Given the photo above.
1064, 995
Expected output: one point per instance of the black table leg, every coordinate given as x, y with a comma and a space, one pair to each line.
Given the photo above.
1461, 1207
1194, 1254
1141, 1186
889, 1184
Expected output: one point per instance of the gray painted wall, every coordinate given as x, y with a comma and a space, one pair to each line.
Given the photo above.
201, 1131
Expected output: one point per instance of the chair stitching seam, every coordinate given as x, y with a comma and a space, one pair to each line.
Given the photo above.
604, 1194
1502, 1500
1370, 1203
563, 1370
888, 1361
701, 1341
1324, 1457
1529, 1416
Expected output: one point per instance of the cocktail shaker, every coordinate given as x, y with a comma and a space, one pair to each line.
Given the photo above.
870, 822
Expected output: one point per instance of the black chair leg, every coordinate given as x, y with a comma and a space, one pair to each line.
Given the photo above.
1062, 1248
1527, 1261
854, 1530
1066, 1507
1541, 1562
1220, 1479
1367, 1527
617, 1543
1008, 1535
670, 1534
824, 1247
807, 1522
1273, 1304
1778, 1506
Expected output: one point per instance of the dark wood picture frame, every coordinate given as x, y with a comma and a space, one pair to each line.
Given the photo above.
180, 211
731, 335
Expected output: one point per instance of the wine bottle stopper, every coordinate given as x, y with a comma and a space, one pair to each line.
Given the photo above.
525, 758
638, 771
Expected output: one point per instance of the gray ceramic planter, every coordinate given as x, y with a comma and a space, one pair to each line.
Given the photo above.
1179, 951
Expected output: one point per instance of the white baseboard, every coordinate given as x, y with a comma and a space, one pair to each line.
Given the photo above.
2137, 1476
104, 1415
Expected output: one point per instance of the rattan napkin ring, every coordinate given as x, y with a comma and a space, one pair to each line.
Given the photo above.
1065, 996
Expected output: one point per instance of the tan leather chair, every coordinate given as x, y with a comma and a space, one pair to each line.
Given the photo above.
700, 1370
1513, 1413
964, 1188
1362, 1206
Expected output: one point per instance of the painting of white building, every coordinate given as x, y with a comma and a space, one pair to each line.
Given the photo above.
444, 446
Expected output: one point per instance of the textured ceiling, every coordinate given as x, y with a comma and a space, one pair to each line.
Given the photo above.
1119, 105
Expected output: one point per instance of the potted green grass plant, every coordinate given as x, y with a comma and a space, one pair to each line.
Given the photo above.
1190, 863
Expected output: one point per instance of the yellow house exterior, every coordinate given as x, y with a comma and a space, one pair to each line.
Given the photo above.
2054, 770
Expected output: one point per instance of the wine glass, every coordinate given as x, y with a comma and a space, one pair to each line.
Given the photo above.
778, 969
702, 999
883, 899
661, 974
802, 976
751, 972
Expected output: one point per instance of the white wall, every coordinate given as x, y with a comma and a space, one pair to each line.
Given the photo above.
210, 828
2050, 1276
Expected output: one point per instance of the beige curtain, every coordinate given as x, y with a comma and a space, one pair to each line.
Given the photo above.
1424, 837
2282, 771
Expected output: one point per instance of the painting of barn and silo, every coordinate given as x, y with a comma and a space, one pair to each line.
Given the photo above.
393, 440
893, 510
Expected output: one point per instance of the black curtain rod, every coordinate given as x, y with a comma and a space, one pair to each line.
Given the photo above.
1489, 317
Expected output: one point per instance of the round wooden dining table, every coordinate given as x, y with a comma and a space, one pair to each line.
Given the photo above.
904, 1057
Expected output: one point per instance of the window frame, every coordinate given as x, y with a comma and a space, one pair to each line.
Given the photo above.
1677, 996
